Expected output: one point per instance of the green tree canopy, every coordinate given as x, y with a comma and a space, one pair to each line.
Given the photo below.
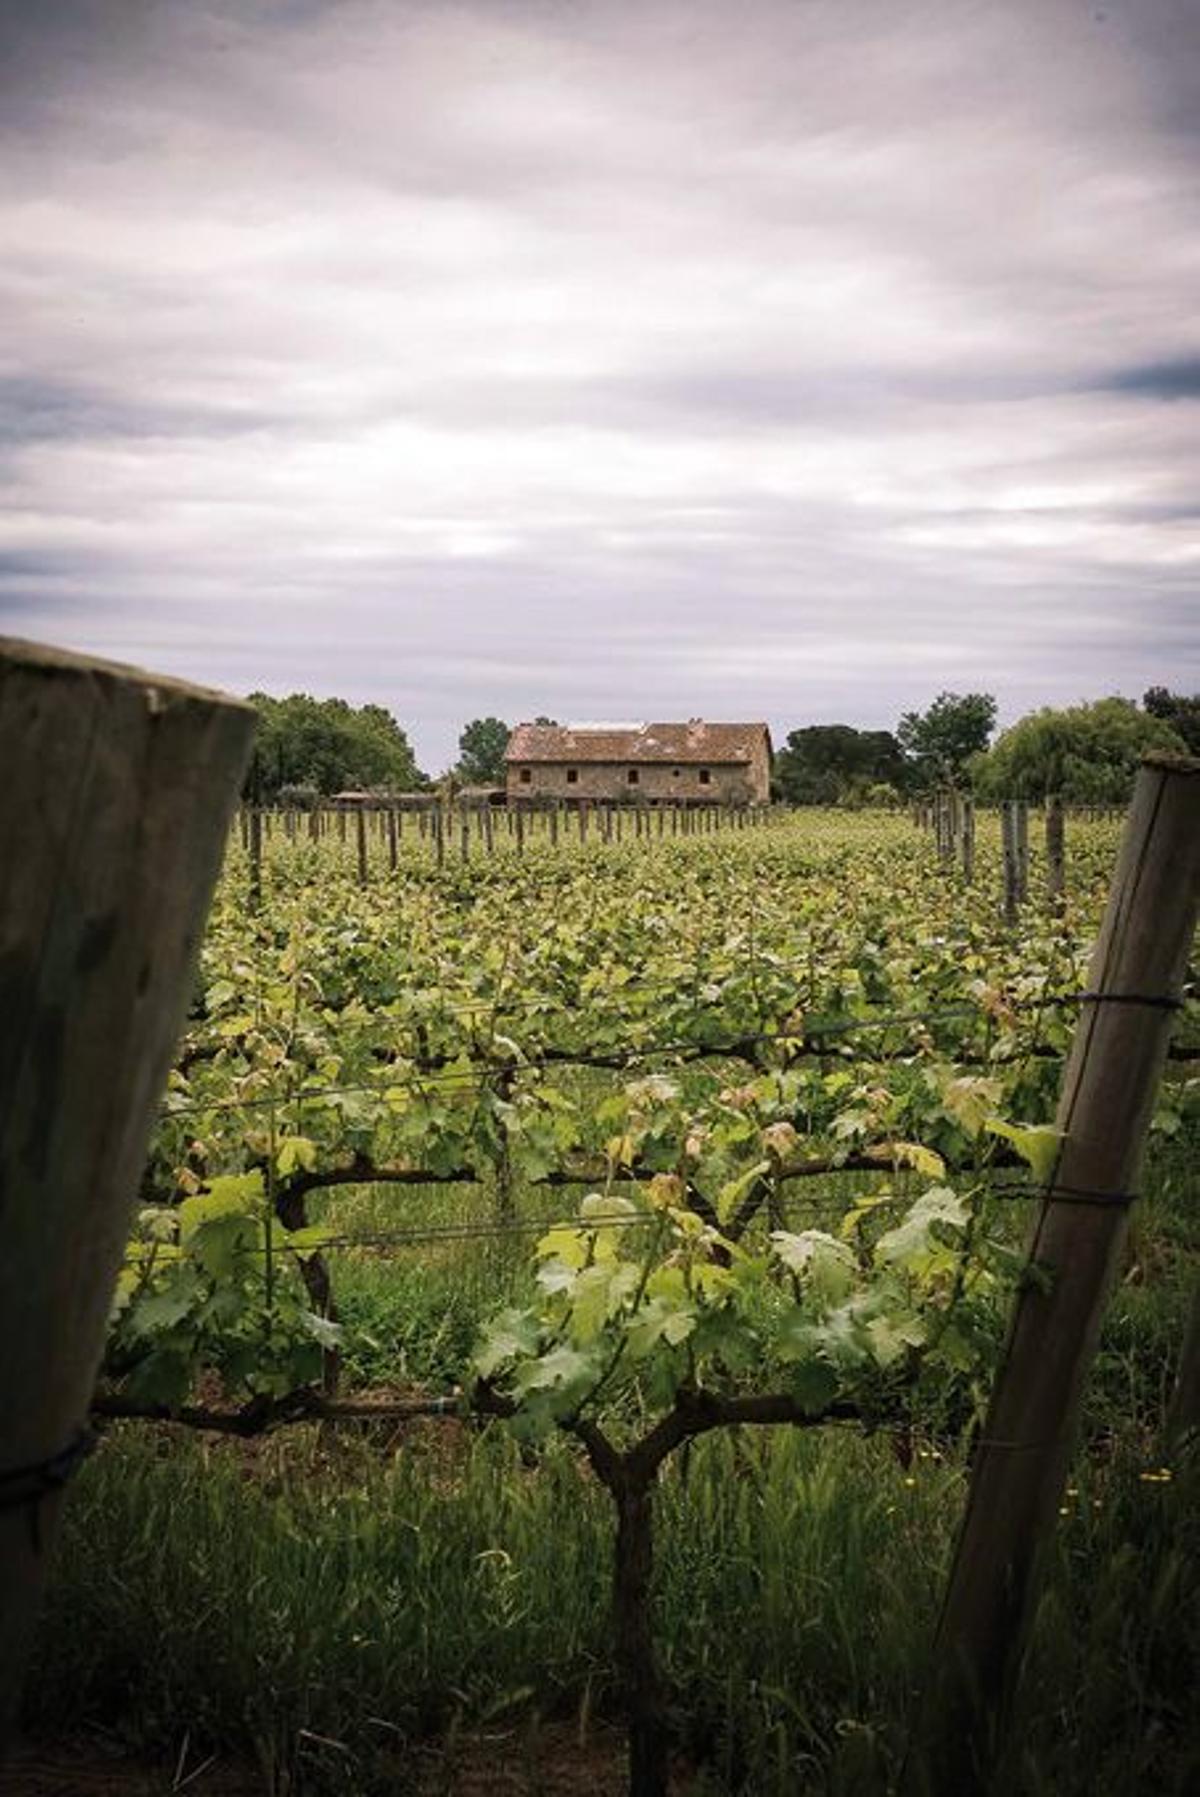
1088, 753
1181, 711
328, 745
481, 752
938, 743
828, 764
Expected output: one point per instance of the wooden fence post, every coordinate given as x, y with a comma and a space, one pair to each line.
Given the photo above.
256, 847
393, 836
967, 840
1008, 836
1108, 1090
118, 791
360, 833
1055, 849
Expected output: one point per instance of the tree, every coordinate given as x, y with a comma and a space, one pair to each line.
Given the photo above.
481, 752
328, 745
832, 764
939, 742
1182, 713
1087, 753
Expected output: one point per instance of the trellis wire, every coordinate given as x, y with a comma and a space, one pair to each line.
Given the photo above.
477, 1078
490, 1228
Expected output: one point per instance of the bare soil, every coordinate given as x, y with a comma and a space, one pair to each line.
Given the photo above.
549, 1761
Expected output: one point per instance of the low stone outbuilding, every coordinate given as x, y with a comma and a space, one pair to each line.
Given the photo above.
653, 764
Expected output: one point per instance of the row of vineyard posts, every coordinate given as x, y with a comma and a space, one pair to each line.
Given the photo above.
470, 828
102, 924
949, 816
473, 828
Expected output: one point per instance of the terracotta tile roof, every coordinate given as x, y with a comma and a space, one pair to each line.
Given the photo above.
696, 742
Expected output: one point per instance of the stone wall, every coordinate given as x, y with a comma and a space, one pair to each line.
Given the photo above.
602, 782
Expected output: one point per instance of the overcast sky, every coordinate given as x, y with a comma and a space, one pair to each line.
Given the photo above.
605, 358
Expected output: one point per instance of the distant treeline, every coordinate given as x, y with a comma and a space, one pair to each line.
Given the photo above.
1086, 753
307, 749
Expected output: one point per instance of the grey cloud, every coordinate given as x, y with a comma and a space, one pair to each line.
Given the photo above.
34, 410
1173, 378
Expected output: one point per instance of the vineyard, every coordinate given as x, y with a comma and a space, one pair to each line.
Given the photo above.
509, 1190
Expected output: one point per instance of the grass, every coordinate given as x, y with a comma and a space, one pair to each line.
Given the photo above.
303, 1591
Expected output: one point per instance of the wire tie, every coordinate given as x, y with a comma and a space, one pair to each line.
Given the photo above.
1015, 1447
1084, 1195
24, 1487
1155, 1001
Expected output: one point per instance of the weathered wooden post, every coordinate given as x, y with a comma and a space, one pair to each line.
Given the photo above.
520, 818
967, 839
1055, 849
439, 838
1108, 1091
488, 838
464, 826
360, 835
256, 848
1008, 838
554, 825
393, 838
118, 791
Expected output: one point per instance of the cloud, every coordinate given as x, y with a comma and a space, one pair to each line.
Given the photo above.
604, 357
1169, 379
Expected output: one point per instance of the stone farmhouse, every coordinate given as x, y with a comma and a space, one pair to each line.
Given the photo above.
650, 764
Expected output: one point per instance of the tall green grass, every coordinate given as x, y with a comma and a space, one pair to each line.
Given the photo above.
307, 1593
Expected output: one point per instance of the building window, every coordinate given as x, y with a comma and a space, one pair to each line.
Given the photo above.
633, 776
572, 776
704, 777
525, 776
